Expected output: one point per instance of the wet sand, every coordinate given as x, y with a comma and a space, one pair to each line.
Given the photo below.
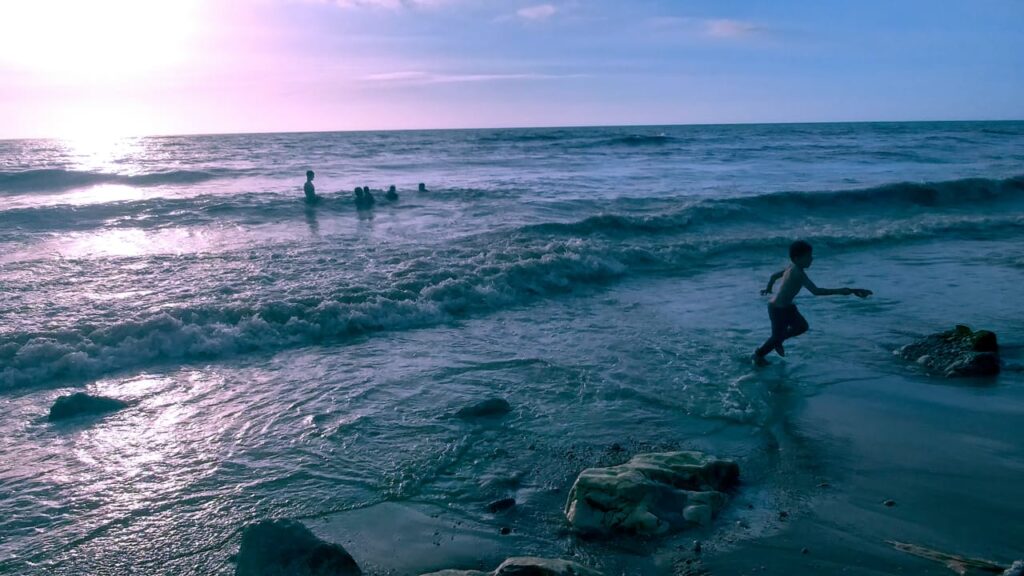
948, 455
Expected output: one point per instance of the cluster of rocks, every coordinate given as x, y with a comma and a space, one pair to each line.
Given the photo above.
957, 352
289, 548
650, 495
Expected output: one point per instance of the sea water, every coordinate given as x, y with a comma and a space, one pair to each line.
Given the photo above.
292, 360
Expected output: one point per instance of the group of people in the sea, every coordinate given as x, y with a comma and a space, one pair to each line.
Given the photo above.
362, 195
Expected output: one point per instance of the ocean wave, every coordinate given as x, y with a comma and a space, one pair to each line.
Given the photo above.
638, 140
426, 290
58, 180
877, 200
945, 193
426, 296
154, 213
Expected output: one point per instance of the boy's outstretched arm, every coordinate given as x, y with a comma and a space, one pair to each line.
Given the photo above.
771, 282
813, 289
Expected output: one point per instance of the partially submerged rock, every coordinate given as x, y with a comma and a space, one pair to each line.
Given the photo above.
288, 548
501, 505
486, 408
651, 495
527, 566
82, 404
957, 352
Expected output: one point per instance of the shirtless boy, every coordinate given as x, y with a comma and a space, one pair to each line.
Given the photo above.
787, 321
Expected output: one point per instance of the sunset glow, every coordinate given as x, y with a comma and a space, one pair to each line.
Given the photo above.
114, 67
73, 42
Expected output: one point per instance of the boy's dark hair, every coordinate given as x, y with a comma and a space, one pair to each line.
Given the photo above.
798, 249
309, 173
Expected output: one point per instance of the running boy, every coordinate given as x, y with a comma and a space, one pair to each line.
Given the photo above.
786, 319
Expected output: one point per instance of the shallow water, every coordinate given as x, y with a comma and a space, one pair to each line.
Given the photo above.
293, 361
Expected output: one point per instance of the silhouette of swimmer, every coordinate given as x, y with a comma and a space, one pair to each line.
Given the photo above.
423, 187
363, 198
391, 194
309, 189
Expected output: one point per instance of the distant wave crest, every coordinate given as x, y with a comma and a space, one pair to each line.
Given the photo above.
57, 180
877, 200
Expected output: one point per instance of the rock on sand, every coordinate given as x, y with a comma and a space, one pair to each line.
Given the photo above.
651, 495
288, 548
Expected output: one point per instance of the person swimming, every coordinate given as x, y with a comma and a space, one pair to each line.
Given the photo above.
391, 194
364, 199
423, 187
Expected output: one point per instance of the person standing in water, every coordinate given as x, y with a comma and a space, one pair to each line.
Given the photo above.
787, 322
309, 189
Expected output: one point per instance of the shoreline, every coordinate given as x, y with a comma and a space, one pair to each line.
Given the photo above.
940, 450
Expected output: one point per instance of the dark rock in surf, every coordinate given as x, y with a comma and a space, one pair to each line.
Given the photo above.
957, 352
527, 566
488, 408
82, 404
287, 547
501, 505
651, 495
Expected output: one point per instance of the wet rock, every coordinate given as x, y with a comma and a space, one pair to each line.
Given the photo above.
488, 408
527, 566
889, 503
505, 531
652, 494
500, 505
1016, 570
82, 404
287, 547
957, 352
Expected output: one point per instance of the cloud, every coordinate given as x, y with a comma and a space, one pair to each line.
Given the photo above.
725, 28
718, 28
387, 4
538, 12
418, 77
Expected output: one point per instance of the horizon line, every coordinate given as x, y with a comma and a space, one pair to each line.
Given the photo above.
525, 127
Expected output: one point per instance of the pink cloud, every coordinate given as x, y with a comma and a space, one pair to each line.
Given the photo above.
539, 12
725, 28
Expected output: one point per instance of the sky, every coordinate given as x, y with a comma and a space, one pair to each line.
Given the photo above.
133, 67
